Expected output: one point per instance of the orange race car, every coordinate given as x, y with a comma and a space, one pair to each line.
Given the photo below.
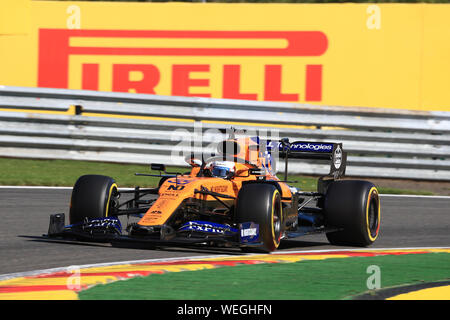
232, 198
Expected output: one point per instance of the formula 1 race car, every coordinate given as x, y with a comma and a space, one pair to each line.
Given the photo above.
232, 198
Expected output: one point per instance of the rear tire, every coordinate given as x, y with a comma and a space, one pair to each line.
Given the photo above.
92, 197
261, 203
354, 206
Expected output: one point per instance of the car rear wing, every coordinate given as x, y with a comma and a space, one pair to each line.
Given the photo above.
332, 152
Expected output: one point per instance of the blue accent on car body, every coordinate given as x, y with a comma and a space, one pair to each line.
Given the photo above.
98, 224
248, 232
208, 227
181, 181
300, 146
309, 218
311, 147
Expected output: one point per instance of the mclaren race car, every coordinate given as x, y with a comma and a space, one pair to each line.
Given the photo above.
232, 198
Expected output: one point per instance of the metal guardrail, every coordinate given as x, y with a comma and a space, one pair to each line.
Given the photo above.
137, 128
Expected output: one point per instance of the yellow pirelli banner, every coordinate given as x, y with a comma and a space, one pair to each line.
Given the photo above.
373, 55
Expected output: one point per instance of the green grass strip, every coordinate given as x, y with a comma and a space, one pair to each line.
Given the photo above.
328, 279
65, 172
32, 172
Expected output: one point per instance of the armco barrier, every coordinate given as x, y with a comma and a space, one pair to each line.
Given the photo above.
136, 128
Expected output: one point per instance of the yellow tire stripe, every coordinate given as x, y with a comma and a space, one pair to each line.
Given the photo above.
373, 189
276, 242
114, 185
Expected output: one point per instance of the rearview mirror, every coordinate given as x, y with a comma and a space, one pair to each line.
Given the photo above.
158, 167
257, 172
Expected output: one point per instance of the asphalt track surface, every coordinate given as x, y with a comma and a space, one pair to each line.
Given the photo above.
24, 212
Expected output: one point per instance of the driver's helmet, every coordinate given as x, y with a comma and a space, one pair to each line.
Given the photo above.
222, 169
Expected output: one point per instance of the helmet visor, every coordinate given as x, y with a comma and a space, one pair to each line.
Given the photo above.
220, 171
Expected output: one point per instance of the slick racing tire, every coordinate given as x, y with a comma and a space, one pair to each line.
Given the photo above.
93, 196
261, 203
354, 207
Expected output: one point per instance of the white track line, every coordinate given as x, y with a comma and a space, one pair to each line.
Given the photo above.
69, 188
31, 273
413, 196
108, 264
35, 187
104, 264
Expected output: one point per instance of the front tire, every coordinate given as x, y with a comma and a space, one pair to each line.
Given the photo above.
261, 203
354, 207
92, 197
